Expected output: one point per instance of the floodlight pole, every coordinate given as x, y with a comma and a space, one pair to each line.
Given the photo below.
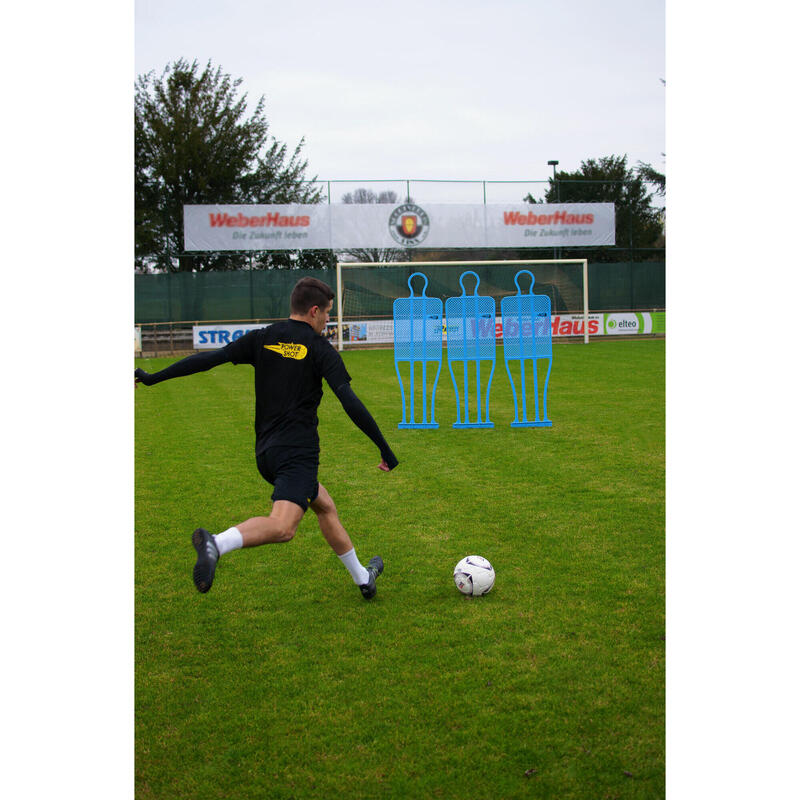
554, 163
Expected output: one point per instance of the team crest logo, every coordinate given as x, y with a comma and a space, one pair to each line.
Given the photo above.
409, 225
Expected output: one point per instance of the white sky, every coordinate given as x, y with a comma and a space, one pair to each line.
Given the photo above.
455, 89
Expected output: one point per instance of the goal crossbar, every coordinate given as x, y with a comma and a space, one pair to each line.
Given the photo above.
340, 264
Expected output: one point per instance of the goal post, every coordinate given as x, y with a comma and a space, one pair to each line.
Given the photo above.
366, 290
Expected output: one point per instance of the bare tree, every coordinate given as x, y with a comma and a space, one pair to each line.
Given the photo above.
362, 196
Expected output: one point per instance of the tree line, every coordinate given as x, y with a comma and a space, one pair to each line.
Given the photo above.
195, 143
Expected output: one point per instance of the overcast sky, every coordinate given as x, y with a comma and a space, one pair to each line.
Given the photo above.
453, 89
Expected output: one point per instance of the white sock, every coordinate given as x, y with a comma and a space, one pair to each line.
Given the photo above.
354, 567
228, 540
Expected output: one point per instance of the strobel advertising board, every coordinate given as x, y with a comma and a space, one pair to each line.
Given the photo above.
211, 337
345, 226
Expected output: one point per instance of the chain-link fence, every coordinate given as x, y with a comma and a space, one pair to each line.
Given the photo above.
457, 191
264, 294
219, 296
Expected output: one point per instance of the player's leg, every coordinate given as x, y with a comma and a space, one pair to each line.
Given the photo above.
293, 474
329, 523
279, 526
339, 540
294, 477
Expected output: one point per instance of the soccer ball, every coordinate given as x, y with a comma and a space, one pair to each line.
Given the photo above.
474, 576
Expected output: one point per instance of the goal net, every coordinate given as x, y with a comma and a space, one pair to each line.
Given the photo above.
366, 291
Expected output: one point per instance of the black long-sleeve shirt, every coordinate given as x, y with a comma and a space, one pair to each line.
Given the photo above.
290, 361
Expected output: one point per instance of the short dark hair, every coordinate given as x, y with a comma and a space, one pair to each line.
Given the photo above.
309, 292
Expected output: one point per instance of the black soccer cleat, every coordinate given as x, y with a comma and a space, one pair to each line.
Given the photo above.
207, 557
374, 568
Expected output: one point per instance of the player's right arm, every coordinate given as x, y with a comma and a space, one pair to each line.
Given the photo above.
239, 351
199, 362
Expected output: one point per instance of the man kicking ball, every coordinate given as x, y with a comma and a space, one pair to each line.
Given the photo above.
290, 359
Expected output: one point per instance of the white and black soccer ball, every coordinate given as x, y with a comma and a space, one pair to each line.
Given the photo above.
474, 576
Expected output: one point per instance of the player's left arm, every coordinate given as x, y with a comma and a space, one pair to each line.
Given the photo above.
333, 369
357, 412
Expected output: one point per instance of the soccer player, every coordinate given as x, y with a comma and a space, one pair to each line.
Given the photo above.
290, 358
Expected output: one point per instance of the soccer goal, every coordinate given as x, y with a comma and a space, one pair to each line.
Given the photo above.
366, 291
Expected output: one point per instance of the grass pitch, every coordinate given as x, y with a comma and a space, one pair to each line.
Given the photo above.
283, 682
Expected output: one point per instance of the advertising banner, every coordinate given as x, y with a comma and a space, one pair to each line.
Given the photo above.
211, 337
573, 325
634, 322
381, 331
344, 226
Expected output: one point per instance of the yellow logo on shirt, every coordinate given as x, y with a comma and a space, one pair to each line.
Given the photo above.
288, 350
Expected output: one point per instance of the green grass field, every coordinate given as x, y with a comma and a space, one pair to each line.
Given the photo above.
282, 682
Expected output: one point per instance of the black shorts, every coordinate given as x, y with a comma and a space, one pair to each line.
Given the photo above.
293, 473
